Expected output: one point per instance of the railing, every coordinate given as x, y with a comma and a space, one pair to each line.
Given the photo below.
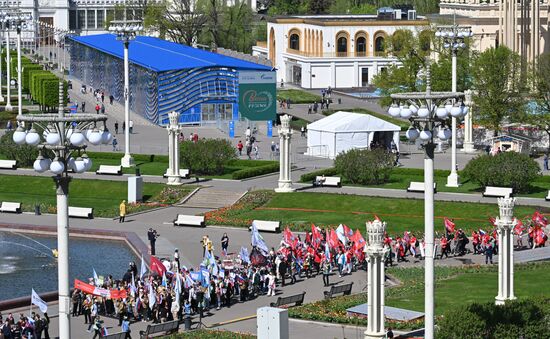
318, 151
262, 44
334, 54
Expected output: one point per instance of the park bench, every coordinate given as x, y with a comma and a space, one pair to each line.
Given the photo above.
189, 220
81, 212
8, 164
344, 289
547, 196
264, 225
327, 181
297, 300
110, 170
416, 186
499, 192
162, 328
13, 207
119, 335
184, 173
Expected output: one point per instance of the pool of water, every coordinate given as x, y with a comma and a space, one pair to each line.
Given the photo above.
26, 262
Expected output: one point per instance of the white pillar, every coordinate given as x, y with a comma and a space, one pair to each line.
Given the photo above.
173, 150
505, 225
9, 107
429, 291
285, 134
468, 145
62, 184
375, 259
127, 160
19, 92
453, 179
1, 91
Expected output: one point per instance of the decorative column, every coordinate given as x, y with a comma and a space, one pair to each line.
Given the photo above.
505, 226
173, 150
468, 145
285, 133
9, 107
375, 259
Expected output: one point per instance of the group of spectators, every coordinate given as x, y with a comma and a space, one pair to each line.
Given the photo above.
33, 326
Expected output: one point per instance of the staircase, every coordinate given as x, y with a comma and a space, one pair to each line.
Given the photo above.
209, 197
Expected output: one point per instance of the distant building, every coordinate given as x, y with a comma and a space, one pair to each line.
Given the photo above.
520, 25
340, 51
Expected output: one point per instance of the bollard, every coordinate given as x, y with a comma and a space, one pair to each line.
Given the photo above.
37, 210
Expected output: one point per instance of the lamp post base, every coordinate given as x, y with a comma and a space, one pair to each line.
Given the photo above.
453, 180
127, 161
174, 180
502, 300
468, 147
9, 108
374, 335
285, 187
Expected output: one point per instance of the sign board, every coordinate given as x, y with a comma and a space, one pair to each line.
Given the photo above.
270, 128
257, 95
232, 129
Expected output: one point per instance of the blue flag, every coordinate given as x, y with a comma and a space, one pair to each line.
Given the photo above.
257, 241
244, 255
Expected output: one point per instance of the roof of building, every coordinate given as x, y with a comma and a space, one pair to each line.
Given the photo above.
347, 20
161, 55
347, 122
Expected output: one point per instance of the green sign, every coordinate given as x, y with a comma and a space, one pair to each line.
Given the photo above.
257, 95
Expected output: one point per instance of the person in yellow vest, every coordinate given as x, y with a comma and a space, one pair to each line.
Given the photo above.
122, 211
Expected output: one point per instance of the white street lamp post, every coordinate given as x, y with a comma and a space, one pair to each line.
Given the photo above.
375, 258
505, 226
173, 128
426, 111
285, 134
9, 107
18, 20
63, 138
126, 31
4, 28
453, 38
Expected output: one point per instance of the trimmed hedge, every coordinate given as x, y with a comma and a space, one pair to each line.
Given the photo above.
309, 177
527, 318
255, 171
137, 157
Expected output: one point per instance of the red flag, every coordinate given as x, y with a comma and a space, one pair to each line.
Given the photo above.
332, 239
449, 225
493, 221
359, 242
348, 232
518, 229
316, 236
157, 266
539, 219
103, 292
308, 238
290, 238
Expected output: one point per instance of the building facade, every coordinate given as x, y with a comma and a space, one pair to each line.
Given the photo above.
520, 25
340, 51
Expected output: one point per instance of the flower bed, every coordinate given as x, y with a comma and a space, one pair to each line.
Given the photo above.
207, 334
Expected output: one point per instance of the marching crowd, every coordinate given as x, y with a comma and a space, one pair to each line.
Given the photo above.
169, 291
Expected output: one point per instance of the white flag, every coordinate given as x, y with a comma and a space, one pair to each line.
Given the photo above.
152, 296
96, 278
257, 240
143, 268
36, 300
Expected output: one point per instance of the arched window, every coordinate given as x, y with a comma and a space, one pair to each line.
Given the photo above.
342, 41
361, 46
294, 42
379, 45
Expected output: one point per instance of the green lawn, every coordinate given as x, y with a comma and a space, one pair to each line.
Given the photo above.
399, 122
104, 196
298, 210
455, 286
297, 96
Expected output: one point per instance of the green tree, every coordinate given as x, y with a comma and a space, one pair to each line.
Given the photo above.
540, 115
498, 87
183, 22
207, 156
365, 167
24, 154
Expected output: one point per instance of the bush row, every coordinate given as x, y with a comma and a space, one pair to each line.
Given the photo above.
365, 167
137, 157
255, 171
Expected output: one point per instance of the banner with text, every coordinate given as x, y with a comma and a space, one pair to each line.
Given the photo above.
102, 292
258, 95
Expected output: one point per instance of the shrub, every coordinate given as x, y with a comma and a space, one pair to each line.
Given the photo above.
364, 166
254, 171
207, 156
309, 177
527, 318
24, 154
507, 169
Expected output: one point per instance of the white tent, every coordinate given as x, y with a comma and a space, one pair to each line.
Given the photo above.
342, 131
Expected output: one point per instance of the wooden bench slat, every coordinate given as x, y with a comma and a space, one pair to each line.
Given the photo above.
492, 191
265, 225
417, 186
13, 207
296, 299
81, 212
8, 164
109, 169
345, 289
162, 328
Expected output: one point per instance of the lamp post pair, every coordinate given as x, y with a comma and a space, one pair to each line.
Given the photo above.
453, 37
4, 19
126, 31
63, 137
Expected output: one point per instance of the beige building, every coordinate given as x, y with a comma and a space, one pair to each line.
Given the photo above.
521, 25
